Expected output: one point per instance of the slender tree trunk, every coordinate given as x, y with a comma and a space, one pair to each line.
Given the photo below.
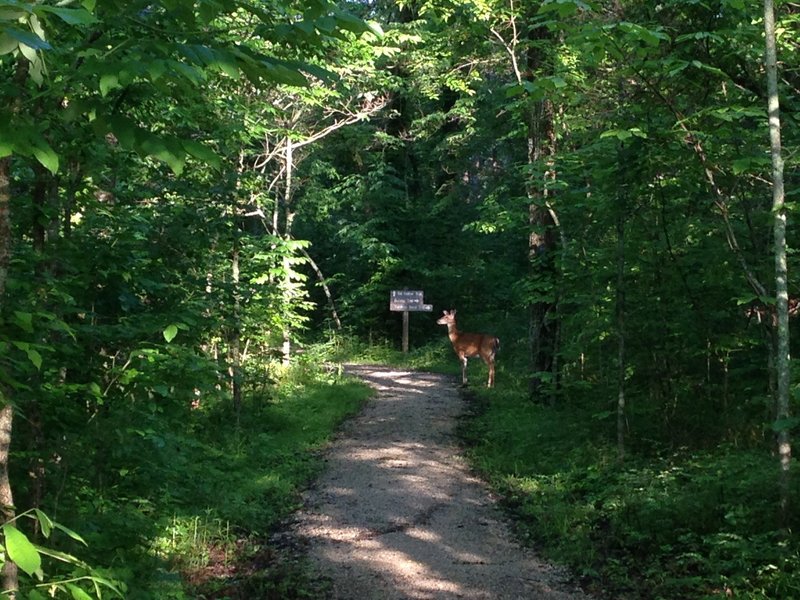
782, 363
325, 288
287, 265
236, 333
235, 355
10, 576
9, 582
10, 579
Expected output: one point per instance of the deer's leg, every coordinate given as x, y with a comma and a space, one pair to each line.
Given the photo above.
463, 370
491, 373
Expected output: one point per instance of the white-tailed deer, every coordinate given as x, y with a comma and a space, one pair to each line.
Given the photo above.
468, 345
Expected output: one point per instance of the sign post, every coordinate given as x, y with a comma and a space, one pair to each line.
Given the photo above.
406, 301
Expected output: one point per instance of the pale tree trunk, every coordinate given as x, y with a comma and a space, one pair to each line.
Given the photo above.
286, 152
9, 582
325, 288
287, 265
235, 369
782, 364
234, 352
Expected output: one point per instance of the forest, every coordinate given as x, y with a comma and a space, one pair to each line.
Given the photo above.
204, 207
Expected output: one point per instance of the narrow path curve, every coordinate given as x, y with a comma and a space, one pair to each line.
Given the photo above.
397, 513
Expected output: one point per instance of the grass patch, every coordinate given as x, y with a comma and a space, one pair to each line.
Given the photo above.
260, 473
195, 498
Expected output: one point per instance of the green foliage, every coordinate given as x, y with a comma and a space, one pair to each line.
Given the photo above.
689, 524
162, 258
127, 323
181, 492
80, 577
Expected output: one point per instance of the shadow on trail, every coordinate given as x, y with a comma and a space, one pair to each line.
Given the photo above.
397, 514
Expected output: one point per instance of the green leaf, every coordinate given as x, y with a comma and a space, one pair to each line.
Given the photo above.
23, 320
124, 130
350, 22
46, 156
35, 70
600, 416
375, 28
7, 43
26, 38
128, 376
14, 13
649, 37
77, 593
514, 90
33, 354
620, 134
166, 149
62, 556
194, 74
21, 551
201, 152
750, 163
70, 533
44, 522
71, 16
170, 332
34, 357
564, 8
108, 82
280, 73
208, 11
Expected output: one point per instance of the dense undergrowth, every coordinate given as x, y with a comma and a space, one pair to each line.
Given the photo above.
680, 523
185, 506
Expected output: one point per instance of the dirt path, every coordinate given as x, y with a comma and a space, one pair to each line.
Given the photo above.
397, 514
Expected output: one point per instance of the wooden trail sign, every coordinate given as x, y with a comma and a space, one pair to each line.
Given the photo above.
406, 301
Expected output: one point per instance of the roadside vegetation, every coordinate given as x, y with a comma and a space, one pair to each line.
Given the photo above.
186, 507
691, 521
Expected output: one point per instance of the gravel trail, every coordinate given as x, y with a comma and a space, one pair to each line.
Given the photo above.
397, 514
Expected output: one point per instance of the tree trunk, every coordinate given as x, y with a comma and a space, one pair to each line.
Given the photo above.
235, 368
782, 363
234, 351
287, 264
9, 576
324, 284
541, 143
